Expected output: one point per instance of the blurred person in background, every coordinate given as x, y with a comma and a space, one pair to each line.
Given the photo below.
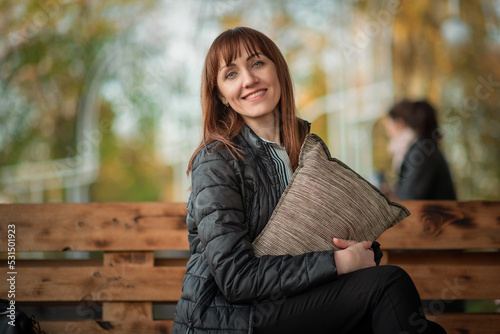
421, 169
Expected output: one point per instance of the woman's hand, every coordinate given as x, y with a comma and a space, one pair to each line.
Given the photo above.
353, 255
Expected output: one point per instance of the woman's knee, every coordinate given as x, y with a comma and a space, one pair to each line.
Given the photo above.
394, 271
390, 275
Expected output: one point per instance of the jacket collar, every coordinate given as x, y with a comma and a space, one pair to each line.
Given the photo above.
249, 136
253, 141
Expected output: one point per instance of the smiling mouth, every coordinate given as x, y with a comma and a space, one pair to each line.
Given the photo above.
260, 92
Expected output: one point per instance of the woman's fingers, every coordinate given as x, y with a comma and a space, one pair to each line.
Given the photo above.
367, 244
342, 243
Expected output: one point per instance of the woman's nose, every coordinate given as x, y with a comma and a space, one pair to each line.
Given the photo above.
249, 78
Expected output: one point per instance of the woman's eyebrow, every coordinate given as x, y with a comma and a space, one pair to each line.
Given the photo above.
223, 66
253, 55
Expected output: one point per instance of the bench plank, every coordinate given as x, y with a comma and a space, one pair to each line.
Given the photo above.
164, 283
98, 284
454, 323
128, 310
468, 323
120, 311
455, 282
96, 226
108, 327
472, 258
446, 225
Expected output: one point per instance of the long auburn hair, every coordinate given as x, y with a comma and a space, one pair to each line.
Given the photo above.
222, 124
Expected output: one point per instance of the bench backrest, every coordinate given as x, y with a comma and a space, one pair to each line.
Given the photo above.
450, 249
125, 278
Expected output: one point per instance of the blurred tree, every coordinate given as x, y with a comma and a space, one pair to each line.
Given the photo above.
52, 52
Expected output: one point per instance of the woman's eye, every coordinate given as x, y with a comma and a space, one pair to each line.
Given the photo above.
258, 63
230, 75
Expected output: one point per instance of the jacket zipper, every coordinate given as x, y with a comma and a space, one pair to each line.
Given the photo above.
277, 188
198, 303
190, 325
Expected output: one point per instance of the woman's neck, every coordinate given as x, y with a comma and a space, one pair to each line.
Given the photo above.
399, 145
267, 129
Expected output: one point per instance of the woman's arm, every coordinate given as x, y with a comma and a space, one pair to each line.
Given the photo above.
217, 209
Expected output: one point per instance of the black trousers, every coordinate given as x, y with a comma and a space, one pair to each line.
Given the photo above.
373, 300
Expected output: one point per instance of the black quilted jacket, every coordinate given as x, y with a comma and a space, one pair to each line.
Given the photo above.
424, 174
230, 203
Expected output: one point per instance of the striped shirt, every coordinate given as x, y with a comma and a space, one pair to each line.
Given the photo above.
281, 162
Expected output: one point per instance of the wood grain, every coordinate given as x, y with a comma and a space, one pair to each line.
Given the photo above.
446, 225
164, 283
98, 284
96, 226
161, 226
468, 323
128, 310
108, 327
453, 323
450, 282
129, 259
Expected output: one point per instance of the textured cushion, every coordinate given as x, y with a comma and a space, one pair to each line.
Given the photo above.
325, 199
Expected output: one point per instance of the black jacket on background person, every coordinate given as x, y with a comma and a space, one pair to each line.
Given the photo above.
424, 174
230, 203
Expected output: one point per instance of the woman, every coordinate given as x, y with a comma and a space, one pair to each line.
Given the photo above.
421, 167
251, 143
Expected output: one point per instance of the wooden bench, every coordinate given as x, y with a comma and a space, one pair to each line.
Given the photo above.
450, 249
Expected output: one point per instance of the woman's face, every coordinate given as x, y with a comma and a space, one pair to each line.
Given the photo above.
394, 127
250, 85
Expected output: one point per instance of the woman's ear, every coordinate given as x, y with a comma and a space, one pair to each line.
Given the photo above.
223, 100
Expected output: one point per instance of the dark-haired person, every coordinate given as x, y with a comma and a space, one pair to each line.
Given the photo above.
422, 170
423, 173
250, 147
